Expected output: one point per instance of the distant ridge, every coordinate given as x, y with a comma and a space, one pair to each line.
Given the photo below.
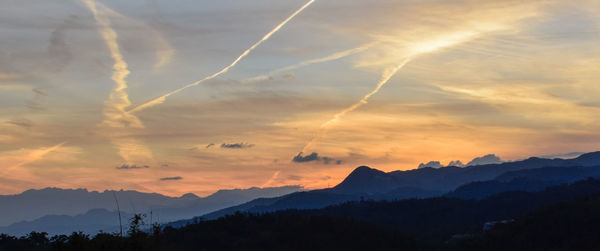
32, 205
368, 183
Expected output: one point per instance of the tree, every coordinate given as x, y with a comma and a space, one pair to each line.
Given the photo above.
135, 224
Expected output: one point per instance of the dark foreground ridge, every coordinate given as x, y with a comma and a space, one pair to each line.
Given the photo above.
562, 217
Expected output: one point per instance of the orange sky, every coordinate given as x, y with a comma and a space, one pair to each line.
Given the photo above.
389, 84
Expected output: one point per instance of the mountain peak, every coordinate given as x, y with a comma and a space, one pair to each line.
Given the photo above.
360, 180
361, 169
365, 171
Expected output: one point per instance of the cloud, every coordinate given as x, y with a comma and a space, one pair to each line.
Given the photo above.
315, 157
171, 178
308, 158
127, 167
236, 145
289, 76
58, 49
22, 122
432, 164
39, 92
562, 155
456, 163
484, 160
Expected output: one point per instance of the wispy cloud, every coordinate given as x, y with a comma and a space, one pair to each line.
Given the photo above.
171, 178
128, 167
236, 145
21, 122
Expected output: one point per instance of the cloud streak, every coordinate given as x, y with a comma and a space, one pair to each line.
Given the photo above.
162, 98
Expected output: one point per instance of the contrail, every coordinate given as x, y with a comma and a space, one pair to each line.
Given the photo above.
15, 173
385, 77
331, 57
418, 49
38, 154
268, 182
114, 108
162, 98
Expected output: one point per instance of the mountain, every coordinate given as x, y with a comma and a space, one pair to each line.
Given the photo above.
92, 221
368, 183
443, 217
558, 218
33, 204
524, 180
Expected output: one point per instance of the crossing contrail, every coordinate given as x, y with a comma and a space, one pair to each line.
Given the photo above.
334, 56
114, 108
162, 98
418, 49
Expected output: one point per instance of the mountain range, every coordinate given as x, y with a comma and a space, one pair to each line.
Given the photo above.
368, 183
62, 210
55, 210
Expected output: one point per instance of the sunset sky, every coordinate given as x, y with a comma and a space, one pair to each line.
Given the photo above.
90, 90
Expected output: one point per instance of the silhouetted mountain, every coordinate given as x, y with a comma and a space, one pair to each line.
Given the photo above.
440, 218
91, 222
558, 218
33, 204
368, 183
366, 180
524, 180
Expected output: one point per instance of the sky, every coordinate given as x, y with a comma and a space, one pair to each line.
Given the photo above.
178, 96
